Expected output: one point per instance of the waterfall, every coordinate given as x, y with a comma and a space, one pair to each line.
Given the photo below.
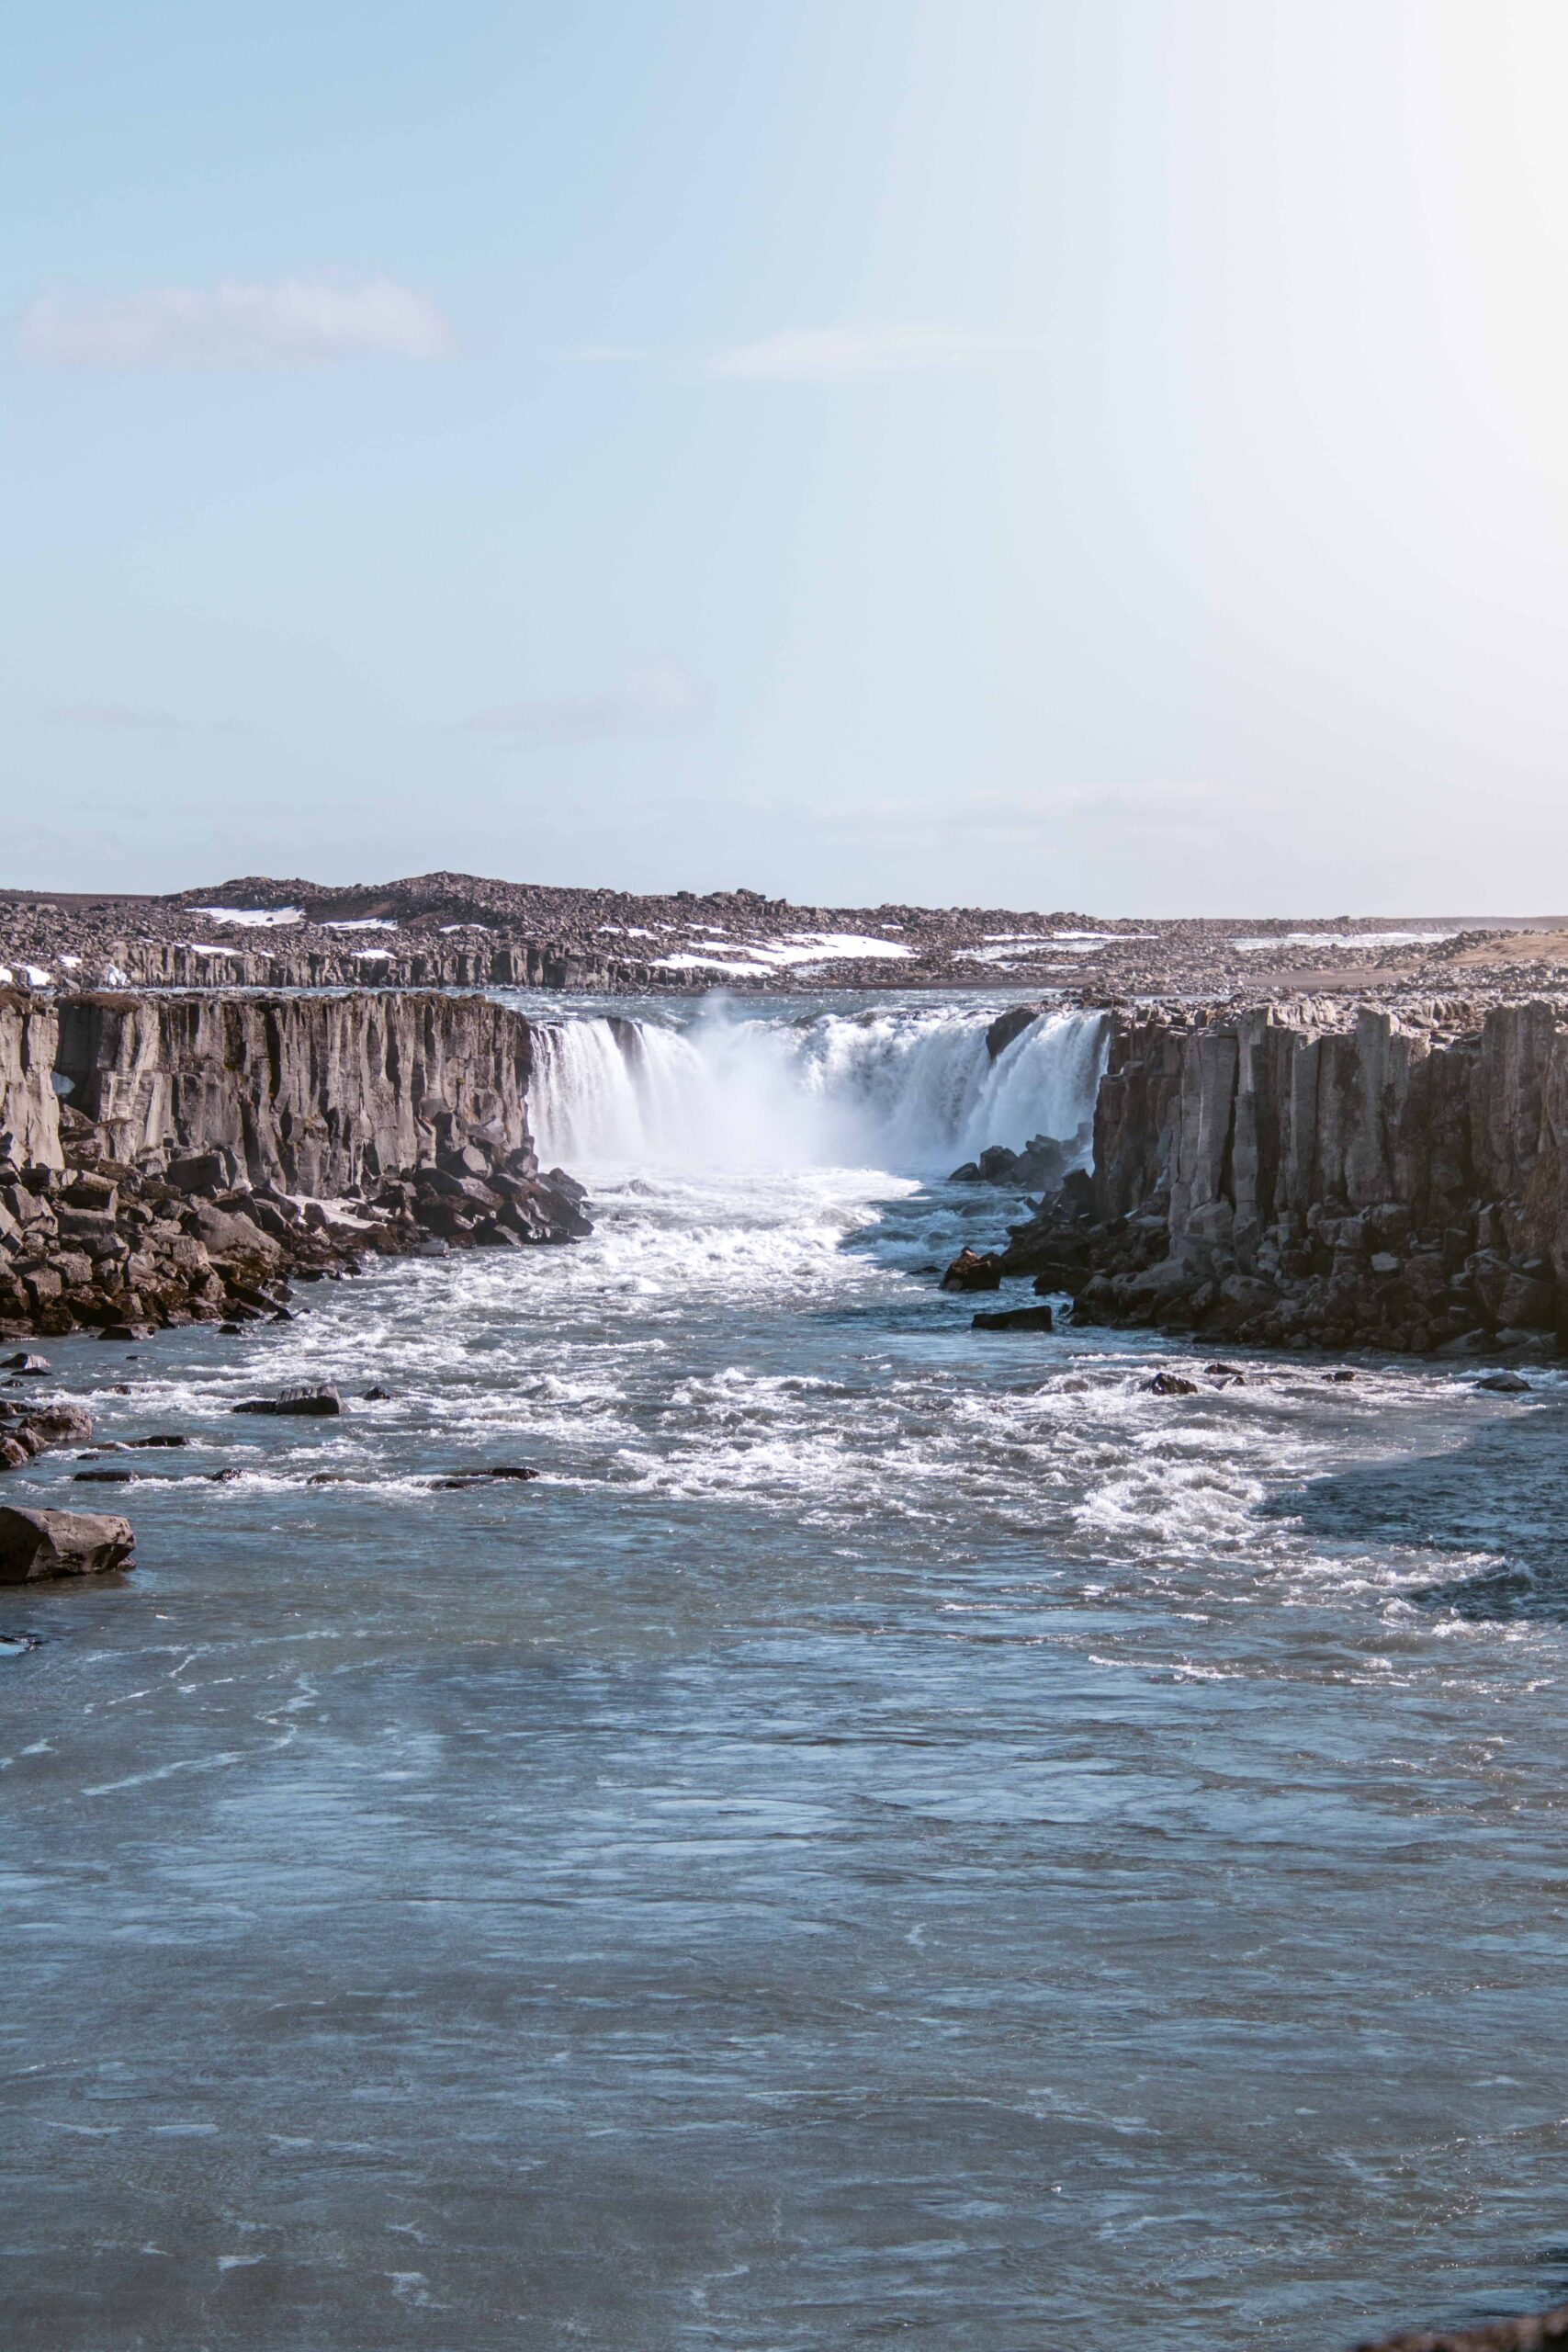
910, 1090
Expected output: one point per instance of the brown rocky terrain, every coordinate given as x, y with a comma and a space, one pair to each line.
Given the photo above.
456, 930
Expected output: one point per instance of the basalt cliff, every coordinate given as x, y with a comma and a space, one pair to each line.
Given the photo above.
171, 1159
1289, 1177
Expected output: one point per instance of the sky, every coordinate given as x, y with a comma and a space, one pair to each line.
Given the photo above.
1094, 453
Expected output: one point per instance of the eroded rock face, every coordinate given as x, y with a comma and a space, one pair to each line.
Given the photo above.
29, 1128
313, 1094
35, 1544
1262, 1176
209, 1150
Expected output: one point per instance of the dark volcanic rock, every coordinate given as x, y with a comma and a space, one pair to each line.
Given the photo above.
170, 1203
1013, 1319
311, 1404
1538, 2332
1277, 1177
970, 1271
461, 1478
38, 1544
1008, 1025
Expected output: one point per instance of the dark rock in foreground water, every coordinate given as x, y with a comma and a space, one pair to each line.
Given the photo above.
1536, 2332
313, 1404
1014, 1318
38, 1544
970, 1271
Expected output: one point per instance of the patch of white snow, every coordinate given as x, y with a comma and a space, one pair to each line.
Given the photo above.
254, 918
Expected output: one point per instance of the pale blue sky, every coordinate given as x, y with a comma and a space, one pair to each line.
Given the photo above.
1102, 453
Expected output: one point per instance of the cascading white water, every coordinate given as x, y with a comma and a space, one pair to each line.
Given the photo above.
907, 1089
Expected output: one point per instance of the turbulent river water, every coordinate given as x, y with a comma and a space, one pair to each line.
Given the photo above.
899, 1833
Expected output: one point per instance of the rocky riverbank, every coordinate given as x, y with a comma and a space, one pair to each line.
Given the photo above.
1286, 1178
175, 1159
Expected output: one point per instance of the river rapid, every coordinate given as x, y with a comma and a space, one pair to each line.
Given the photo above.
899, 1833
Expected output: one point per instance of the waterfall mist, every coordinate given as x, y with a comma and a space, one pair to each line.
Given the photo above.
908, 1089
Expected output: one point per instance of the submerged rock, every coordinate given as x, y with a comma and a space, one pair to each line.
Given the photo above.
38, 1544
1013, 1319
480, 1477
1506, 1384
307, 1403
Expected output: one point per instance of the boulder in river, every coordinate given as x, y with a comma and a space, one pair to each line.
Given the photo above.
34, 1367
1013, 1319
970, 1271
488, 1477
1536, 2332
38, 1544
1008, 1025
310, 1404
1170, 1384
24, 1435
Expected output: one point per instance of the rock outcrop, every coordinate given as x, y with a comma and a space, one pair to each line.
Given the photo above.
30, 1130
315, 1094
206, 1150
35, 1544
1268, 1176
27, 1432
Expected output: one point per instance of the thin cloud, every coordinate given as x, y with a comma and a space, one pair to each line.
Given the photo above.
298, 324
1154, 805
834, 355
659, 698
123, 717
137, 718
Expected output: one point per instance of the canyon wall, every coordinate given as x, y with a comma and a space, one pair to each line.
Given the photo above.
314, 1094
207, 1150
1265, 1174
432, 962
29, 1124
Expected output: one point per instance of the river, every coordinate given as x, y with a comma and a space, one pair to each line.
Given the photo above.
899, 1833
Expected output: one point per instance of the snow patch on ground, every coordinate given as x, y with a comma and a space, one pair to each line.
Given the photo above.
797, 948
1340, 939
254, 918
